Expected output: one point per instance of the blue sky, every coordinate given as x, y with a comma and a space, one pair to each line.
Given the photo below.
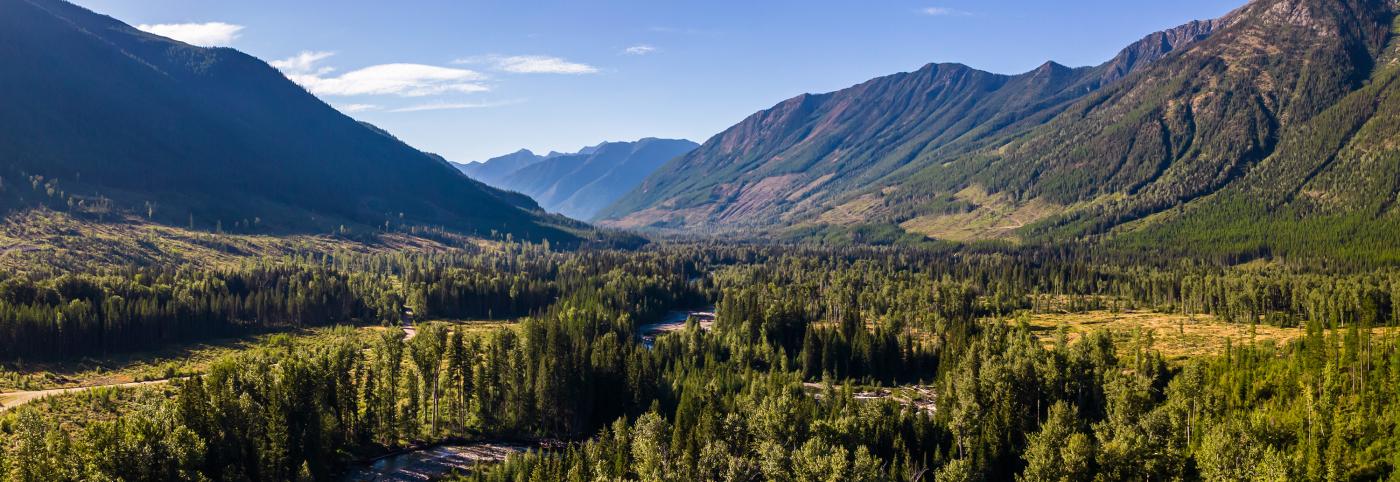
474, 79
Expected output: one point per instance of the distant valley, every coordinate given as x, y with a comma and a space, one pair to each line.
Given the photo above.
580, 184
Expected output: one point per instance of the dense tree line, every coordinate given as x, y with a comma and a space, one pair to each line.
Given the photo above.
75, 315
281, 414
60, 315
1007, 407
1323, 408
63, 315
776, 389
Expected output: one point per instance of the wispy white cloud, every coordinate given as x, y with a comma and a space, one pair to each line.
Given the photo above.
304, 62
210, 34
642, 49
530, 64
942, 12
401, 79
456, 105
349, 108
538, 64
408, 80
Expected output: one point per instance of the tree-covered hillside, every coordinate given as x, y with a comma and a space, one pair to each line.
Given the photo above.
100, 118
791, 161
1262, 132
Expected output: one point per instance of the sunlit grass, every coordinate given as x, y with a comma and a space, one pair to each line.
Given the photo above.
1176, 336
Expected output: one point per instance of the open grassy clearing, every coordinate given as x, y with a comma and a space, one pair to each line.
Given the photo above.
475, 328
158, 364
43, 238
1177, 336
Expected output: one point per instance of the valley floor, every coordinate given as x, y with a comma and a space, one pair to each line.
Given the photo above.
1177, 336
801, 363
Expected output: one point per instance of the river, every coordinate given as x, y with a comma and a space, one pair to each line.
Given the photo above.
433, 463
675, 321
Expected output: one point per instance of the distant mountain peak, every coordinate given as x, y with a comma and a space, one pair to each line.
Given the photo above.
579, 184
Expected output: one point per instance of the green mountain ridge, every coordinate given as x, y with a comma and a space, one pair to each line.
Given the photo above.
100, 117
788, 162
1238, 135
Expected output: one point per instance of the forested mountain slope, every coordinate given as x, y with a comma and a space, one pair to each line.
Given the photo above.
100, 117
791, 160
579, 185
1225, 112
1266, 130
1329, 186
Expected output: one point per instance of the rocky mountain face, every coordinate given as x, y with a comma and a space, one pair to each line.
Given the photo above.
789, 162
579, 185
1170, 126
102, 117
1180, 131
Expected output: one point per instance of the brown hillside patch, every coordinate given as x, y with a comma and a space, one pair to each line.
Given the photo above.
798, 194
996, 217
855, 211
760, 196
660, 218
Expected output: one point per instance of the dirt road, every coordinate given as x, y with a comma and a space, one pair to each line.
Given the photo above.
10, 400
